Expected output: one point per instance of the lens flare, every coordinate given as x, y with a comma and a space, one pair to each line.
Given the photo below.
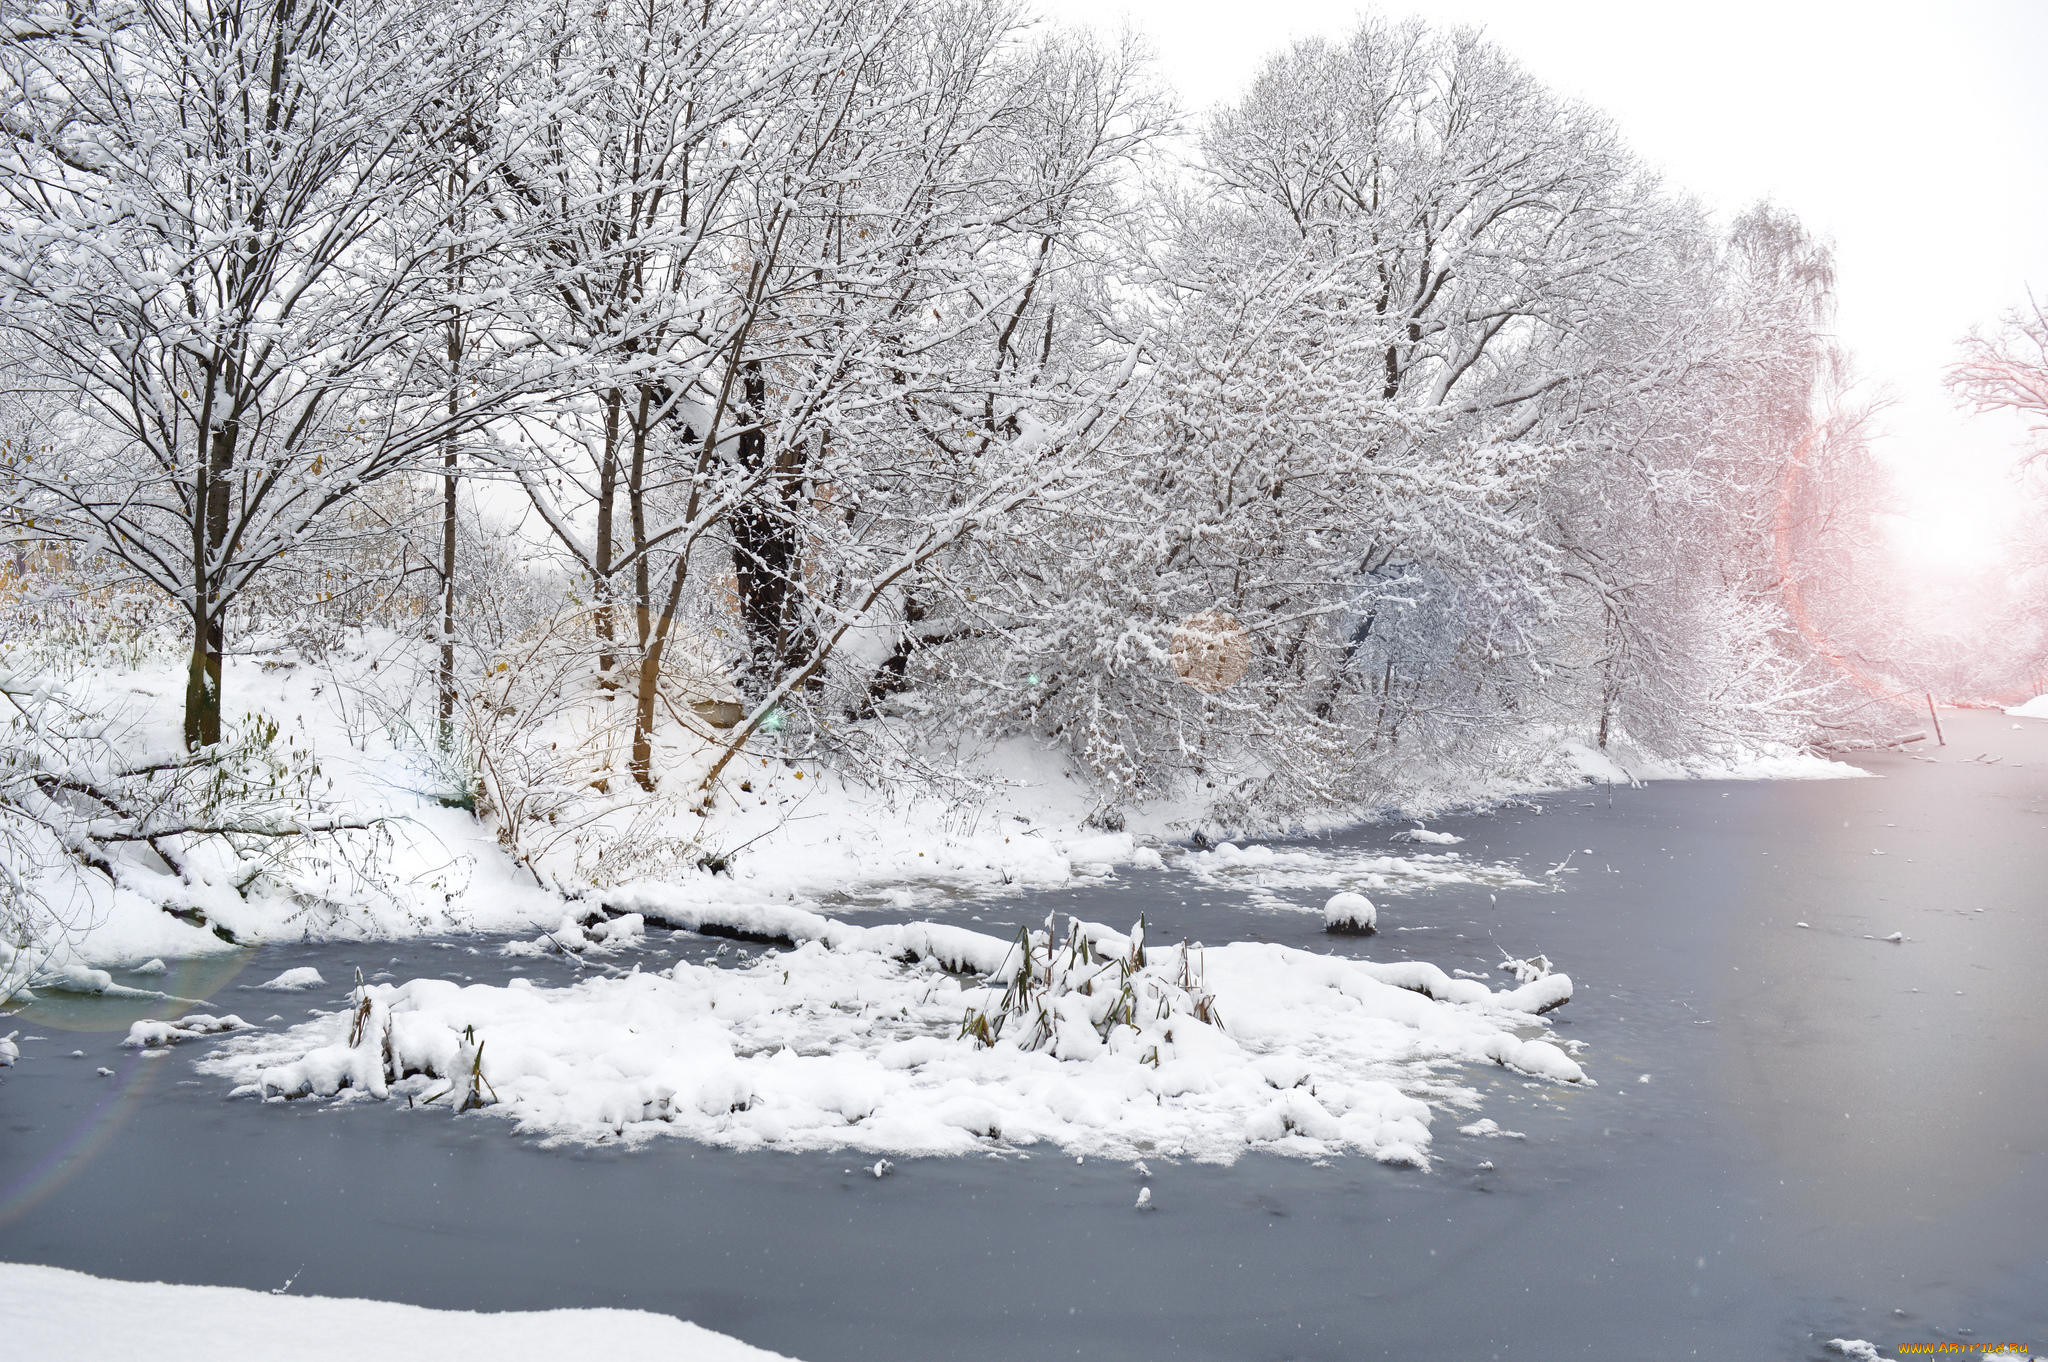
1950, 529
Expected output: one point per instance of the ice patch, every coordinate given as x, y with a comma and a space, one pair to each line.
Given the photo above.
1422, 834
871, 1039
9, 1051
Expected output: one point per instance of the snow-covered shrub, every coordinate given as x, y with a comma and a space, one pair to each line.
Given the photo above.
1073, 997
550, 745
1352, 913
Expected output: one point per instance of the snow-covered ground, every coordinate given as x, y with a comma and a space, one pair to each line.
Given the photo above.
931, 1039
50, 1312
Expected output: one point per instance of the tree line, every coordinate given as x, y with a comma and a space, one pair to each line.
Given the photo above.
917, 364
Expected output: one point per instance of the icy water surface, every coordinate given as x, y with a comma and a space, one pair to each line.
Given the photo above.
1798, 1133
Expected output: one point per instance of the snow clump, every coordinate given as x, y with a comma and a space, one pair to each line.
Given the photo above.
295, 980
1349, 912
147, 1035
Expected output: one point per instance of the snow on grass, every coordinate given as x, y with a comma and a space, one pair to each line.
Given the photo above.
928, 1039
2036, 708
52, 1312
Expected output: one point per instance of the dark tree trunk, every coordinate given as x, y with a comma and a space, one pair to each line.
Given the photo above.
203, 678
202, 686
650, 629
766, 550
445, 703
894, 673
605, 617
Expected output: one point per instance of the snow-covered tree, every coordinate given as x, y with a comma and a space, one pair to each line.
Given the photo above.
207, 251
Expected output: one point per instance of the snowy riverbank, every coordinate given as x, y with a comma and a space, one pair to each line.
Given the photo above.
786, 830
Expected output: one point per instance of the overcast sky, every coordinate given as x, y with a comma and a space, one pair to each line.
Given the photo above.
1914, 136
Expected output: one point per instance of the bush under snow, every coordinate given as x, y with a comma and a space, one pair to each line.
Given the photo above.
1350, 913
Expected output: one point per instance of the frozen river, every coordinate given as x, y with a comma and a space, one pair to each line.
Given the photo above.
1800, 1132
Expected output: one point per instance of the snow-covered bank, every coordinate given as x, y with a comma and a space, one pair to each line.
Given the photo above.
1621, 765
2036, 708
869, 1038
784, 831
51, 1312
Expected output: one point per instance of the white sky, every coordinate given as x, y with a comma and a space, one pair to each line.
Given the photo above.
1914, 136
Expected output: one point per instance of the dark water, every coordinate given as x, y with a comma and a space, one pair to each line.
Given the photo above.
1838, 1135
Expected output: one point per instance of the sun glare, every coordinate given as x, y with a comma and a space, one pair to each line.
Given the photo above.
1952, 518
1947, 539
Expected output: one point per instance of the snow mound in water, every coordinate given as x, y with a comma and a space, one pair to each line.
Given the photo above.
1856, 1349
295, 980
51, 1312
1350, 913
148, 1035
574, 937
96, 983
2036, 708
1096, 1043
